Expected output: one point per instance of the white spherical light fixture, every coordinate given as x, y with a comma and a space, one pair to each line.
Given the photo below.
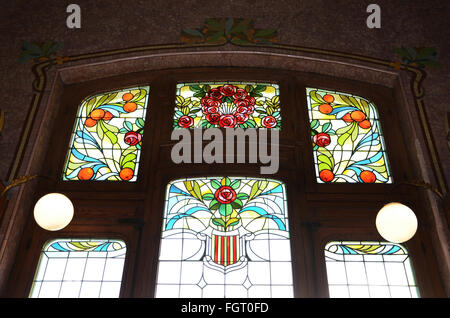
396, 222
53, 211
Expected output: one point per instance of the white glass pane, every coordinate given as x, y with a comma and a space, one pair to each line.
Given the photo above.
258, 273
358, 291
70, 289
281, 273
356, 273
73, 268
400, 292
166, 272
379, 291
113, 269
336, 273
94, 269
375, 273
167, 291
259, 292
337, 291
282, 292
49, 289
110, 290
396, 274
90, 289
189, 291
55, 269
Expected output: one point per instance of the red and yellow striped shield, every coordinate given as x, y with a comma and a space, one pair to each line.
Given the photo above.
225, 250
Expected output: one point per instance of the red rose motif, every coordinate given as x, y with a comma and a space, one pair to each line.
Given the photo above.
132, 138
225, 195
250, 109
241, 103
242, 109
250, 100
322, 139
228, 90
213, 118
269, 121
185, 121
240, 94
211, 110
227, 121
215, 93
240, 117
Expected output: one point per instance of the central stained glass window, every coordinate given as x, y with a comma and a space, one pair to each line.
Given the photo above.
227, 105
225, 237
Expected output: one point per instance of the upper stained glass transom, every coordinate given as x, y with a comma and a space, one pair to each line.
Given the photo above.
348, 143
107, 137
227, 105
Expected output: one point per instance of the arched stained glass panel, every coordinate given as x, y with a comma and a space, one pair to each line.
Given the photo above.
78, 268
227, 105
107, 136
369, 269
348, 143
225, 237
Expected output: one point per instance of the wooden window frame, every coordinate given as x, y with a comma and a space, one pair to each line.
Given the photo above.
318, 213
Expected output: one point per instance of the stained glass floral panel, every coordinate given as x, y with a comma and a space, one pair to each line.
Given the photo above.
225, 237
369, 270
79, 268
227, 105
107, 137
348, 143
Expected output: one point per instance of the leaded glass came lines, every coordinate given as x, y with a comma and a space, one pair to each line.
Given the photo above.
348, 143
75, 268
227, 105
369, 269
225, 237
107, 137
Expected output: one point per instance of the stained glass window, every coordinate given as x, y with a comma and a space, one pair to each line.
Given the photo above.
225, 237
227, 105
369, 269
79, 268
347, 139
107, 137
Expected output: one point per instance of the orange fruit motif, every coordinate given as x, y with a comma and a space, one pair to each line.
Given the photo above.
368, 176
97, 114
328, 98
326, 175
129, 107
126, 174
357, 115
365, 124
89, 122
347, 118
127, 97
85, 174
325, 109
108, 116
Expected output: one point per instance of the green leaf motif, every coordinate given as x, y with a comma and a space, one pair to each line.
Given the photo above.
218, 222
208, 196
225, 209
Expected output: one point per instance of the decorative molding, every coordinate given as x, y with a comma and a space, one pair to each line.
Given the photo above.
229, 30
238, 32
16, 182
